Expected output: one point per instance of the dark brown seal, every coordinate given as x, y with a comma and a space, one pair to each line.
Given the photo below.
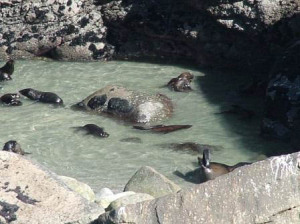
163, 128
14, 146
11, 99
182, 83
94, 130
7, 70
44, 97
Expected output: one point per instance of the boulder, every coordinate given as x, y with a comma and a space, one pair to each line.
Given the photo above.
104, 192
31, 194
125, 104
81, 188
128, 200
264, 192
149, 181
105, 201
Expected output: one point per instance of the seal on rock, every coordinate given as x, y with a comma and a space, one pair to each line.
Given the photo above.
97, 101
44, 97
11, 99
182, 83
7, 70
14, 146
94, 130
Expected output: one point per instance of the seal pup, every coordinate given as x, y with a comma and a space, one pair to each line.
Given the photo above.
44, 97
14, 146
211, 170
182, 83
11, 99
7, 70
94, 130
163, 128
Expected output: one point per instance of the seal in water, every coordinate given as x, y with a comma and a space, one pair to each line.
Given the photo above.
44, 97
182, 83
163, 128
7, 70
94, 130
213, 170
11, 99
14, 146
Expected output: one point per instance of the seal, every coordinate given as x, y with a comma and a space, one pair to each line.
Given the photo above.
94, 130
182, 83
212, 170
44, 97
163, 128
8, 68
14, 146
97, 101
11, 99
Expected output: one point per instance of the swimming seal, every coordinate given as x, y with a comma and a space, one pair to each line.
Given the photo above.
44, 97
7, 70
14, 146
94, 130
163, 128
211, 170
182, 83
11, 99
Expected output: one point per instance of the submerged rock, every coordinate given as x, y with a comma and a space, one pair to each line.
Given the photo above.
149, 181
127, 105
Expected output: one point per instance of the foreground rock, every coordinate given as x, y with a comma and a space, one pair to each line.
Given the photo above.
30, 194
119, 102
264, 192
149, 181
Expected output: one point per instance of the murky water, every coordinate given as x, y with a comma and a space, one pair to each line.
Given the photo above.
47, 133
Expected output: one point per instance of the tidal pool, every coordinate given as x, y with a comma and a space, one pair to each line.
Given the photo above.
46, 131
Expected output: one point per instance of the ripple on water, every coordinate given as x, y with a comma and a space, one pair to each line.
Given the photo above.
47, 132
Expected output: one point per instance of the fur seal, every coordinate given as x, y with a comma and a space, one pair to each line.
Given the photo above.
11, 99
182, 83
97, 101
212, 170
7, 70
94, 130
14, 146
44, 97
163, 128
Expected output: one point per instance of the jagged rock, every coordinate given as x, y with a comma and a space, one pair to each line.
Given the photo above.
128, 105
32, 194
81, 188
149, 181
128, 200
106, 200
264, 192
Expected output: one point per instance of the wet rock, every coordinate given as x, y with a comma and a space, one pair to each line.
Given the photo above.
149, 181
128, 105
81, 188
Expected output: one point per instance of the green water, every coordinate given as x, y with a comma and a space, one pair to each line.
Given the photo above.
46, 131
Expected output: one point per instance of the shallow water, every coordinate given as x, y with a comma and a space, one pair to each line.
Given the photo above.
46, 131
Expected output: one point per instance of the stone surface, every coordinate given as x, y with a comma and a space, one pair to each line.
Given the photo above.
34, 195
130, 105
264, 192
128, 200
81, 188
106, 200
104, 192
149, 181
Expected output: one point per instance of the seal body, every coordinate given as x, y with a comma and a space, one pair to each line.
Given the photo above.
7, 70
44, 97
94, 130
182, 83
163, 128
13, 146
11, 99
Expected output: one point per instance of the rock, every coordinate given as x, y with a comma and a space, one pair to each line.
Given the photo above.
33, 194
149, 181
128, 200
264, 192
81, 188
128, 105
106, 200
104, 192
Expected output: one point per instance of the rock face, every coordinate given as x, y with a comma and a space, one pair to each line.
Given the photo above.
264, 192
30, 194
128, 105
149, 181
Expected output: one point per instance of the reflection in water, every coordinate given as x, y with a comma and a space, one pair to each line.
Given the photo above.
46, 131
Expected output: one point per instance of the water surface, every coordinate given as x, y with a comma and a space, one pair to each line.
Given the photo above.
47, 133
